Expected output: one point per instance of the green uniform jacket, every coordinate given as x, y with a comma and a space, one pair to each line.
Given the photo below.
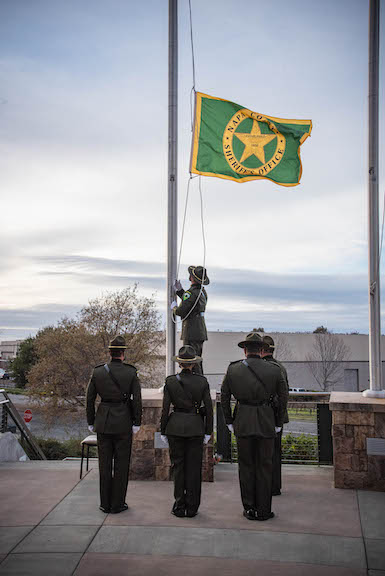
188, 423
113, 415
194, 327
250, 419
284, 374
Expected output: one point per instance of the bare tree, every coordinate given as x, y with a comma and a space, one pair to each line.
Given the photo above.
325, 359
283, 350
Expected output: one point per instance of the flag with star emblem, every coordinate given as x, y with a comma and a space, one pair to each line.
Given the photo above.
235, 143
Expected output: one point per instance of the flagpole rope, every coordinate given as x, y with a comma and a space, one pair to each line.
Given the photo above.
183, 225
192, 94
192, 45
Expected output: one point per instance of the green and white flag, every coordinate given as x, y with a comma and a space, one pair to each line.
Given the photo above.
235, 143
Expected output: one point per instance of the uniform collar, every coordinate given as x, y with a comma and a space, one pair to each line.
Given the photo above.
116, 360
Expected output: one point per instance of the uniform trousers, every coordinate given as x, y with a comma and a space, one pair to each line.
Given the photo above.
186, 459
198, 347
277, 476
114, 451
255, 466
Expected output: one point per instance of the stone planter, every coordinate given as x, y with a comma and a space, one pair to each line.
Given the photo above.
355, 420
149, 459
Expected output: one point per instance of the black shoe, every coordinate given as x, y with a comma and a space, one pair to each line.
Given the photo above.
249, 514
118, 510
276, 493
105, 510
263, 517
191, 513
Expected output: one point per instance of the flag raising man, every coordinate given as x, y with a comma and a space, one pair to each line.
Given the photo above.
192, 310
237, 144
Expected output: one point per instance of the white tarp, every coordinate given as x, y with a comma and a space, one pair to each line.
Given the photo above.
10, 449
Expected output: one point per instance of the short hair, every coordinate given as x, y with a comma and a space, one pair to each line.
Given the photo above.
185, 364
253, 347
116, 352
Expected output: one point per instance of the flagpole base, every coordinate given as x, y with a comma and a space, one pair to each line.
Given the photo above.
373, 393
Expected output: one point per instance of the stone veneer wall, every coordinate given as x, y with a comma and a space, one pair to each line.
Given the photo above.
149, 462
356, 418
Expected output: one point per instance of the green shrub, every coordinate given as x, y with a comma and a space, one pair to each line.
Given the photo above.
301, 447
57, 450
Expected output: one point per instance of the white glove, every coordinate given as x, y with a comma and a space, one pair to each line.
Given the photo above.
174, 304
177, 285
135, 429
230, 427
164, 439
206, 438
278, 429
91, 428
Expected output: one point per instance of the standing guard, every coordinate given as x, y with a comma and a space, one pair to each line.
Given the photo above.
117, 418
267, 354
255, 384
185, 429
192, 310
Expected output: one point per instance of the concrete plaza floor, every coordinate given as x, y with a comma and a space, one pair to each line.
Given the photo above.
50, 524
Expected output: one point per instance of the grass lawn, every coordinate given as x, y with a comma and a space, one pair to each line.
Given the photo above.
303, 414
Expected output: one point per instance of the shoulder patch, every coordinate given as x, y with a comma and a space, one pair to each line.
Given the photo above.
186, 295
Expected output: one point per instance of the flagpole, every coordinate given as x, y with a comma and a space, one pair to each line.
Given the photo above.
375, 366
172, 180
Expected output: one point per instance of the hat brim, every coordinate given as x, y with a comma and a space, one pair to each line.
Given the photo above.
244, 343
206, 281
186, 360
117, 347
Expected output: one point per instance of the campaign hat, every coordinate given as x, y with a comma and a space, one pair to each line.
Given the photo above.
199, 273
268, 342
186, 355
118, 342
252, 338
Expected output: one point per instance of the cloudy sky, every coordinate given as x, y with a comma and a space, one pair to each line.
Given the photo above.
83, 159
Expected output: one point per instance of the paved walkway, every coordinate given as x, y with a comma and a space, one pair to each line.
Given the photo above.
50, 525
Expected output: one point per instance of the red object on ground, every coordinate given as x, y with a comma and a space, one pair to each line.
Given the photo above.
27, 416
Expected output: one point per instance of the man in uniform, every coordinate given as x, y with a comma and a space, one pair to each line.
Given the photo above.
255, 384
267, 354
117, 418
192, 310
189, 425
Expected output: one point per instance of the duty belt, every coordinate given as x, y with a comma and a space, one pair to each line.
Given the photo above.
261, 403
187, 410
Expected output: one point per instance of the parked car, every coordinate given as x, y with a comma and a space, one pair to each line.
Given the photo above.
297, 390
5, 376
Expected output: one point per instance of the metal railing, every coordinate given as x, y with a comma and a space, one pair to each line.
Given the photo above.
9, 410
306, 439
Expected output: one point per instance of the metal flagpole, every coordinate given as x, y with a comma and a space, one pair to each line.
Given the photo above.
172, 239
375, 389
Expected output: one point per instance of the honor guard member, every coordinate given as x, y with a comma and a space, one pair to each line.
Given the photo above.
255, 384
267, 354
192, 310
185, 429
117, 418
